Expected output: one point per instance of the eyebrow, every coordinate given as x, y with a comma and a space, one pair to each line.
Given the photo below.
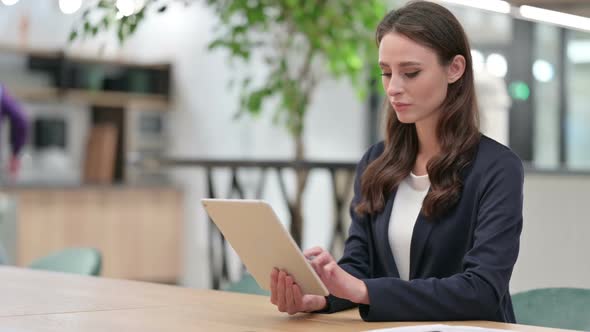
401, 64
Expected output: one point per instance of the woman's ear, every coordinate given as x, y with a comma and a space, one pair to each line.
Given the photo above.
456, 69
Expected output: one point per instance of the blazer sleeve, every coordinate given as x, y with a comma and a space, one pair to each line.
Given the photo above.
475, 293
356, 259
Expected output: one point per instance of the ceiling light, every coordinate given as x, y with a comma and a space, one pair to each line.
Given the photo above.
559, 18
498, 6
9, 2
69, 6
129, 7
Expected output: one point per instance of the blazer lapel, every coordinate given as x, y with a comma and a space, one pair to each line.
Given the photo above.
382, 236
422, 230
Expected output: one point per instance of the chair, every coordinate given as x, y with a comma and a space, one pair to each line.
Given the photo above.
246, 285
565, 308
86, 261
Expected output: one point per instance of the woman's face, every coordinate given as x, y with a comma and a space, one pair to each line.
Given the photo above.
414, 80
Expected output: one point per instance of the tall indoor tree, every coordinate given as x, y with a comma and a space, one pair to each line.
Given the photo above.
291, 36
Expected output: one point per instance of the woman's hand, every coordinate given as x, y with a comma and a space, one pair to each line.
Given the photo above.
339, 282
287, 296
14, 167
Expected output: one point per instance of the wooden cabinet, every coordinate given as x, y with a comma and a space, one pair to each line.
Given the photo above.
138, 230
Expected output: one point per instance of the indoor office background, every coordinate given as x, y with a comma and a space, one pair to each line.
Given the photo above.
146, 219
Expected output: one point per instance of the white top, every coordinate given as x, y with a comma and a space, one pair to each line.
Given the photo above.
406, 208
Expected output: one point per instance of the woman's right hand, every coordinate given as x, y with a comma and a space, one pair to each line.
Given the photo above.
287, 296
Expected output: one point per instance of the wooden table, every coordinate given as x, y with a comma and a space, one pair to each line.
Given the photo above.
47, 301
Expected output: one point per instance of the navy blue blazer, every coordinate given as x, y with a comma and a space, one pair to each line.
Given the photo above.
460, 264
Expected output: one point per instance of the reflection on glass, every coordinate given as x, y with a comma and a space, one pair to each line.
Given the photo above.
546, 97
496, 65
489, 33
493, 38
578, 112
478, 61
543, 71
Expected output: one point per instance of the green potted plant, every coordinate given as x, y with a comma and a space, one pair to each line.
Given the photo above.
292, 36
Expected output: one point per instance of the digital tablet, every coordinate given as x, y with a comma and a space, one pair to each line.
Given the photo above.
256, 234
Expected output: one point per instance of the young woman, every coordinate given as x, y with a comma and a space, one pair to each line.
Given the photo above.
437, 207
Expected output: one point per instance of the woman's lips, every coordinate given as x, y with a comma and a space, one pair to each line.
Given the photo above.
400, 107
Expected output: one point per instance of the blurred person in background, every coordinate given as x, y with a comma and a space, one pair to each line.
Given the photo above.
12, 111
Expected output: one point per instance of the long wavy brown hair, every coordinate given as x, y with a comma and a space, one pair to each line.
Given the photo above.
433, 26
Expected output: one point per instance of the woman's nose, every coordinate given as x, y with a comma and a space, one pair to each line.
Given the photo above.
395, 86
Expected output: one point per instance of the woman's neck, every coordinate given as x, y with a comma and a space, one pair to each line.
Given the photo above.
429, 145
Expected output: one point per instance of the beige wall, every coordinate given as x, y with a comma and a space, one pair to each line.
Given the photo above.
556, 235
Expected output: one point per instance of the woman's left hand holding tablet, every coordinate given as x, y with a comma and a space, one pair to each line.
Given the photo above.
287, 295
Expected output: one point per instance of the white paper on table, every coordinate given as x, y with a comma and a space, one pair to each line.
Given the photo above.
436, 328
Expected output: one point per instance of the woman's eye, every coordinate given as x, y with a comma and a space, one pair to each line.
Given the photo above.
386, 74
413, 74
